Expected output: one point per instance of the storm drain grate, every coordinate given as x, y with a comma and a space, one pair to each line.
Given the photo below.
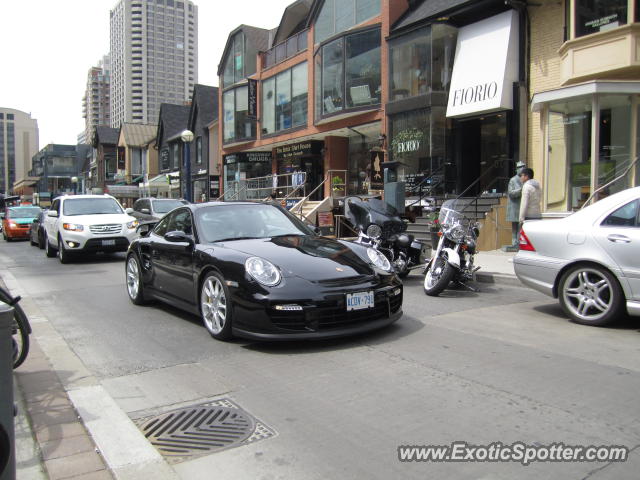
203, 429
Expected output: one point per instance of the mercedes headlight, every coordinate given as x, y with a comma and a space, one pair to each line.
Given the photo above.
378, 259
262, 271
374, 231
133, 224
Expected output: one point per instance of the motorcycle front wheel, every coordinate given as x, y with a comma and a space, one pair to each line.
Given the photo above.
438, 276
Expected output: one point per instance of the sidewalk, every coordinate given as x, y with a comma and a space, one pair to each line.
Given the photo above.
496, 266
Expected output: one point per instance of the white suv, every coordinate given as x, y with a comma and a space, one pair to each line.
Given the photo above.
78, 224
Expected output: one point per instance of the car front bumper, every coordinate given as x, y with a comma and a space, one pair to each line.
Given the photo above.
320, 316
17, 232
537, 271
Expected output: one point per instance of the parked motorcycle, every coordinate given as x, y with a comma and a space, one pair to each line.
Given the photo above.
379, 226
452, 260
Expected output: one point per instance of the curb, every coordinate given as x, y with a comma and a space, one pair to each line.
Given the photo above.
498, 279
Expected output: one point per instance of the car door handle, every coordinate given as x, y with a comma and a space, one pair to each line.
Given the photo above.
618, 238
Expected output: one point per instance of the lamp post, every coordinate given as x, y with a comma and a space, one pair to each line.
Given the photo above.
74, 181
187, 138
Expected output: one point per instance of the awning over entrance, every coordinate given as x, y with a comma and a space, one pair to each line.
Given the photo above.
589, 88
485, 66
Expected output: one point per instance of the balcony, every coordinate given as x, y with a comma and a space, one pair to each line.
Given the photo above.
287, 49
614, 54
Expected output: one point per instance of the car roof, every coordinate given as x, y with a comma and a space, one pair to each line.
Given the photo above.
71, 197
196, 206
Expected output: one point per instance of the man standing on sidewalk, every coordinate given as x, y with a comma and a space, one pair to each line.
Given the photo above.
514, 191
531, 196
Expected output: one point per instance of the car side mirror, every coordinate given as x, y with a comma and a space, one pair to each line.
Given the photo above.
178, 236
144, 228
145, 211
35, 220
128, 211
52, 213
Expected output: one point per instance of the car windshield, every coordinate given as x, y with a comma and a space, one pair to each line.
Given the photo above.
23, 212
164, 206
91, 206
234, 222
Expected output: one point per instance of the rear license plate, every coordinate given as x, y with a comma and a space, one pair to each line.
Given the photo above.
107, 243
360, 300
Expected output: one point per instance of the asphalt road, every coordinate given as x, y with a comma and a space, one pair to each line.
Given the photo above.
500, 365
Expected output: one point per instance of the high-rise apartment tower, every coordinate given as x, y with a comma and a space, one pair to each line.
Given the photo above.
154, 57
95, 103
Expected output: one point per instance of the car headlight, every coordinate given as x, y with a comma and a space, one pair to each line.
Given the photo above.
263, 271
73, 227
378, 259
132, 225
374, 231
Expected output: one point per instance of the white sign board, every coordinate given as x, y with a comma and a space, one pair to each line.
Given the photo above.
485, 66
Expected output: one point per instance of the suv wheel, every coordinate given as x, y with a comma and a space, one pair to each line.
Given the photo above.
63, 255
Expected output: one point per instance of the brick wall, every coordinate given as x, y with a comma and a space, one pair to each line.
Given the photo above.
546, 37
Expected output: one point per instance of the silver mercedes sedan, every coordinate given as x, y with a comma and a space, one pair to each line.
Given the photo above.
589, 260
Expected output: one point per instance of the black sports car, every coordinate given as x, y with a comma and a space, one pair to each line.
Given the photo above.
254, 270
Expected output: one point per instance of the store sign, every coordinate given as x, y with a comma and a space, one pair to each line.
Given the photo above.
262, 157
297, 150
408, 146
252, 101
485, 67
376, 176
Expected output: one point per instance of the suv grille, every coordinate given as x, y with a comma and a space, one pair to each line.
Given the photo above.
108, 229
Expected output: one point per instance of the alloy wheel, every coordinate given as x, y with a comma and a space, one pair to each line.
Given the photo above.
133, 278
588, 294
214, 305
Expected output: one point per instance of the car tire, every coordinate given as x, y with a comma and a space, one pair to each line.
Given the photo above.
590, 295
33, 244
63, 254
48, 249
41, 240
135, 287
215, 306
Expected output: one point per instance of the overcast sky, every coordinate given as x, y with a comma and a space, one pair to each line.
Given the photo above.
48, 47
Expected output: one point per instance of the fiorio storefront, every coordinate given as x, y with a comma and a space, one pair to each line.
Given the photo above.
452, 116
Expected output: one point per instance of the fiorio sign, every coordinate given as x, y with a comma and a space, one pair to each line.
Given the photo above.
408, 146
485, 66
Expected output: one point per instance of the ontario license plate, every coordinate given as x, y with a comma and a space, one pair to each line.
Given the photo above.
360, 300
107, 243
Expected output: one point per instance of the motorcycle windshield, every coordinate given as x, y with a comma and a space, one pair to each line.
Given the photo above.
360, 212
451, 213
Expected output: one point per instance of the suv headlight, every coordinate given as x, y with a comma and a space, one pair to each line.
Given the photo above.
133, 224
263, 271
73, 227
378, 259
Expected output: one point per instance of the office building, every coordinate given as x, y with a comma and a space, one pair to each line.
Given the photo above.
18, 143
95, 103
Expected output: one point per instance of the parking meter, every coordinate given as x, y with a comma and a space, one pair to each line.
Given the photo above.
393, 189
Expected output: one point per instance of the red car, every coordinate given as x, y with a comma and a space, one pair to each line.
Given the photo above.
17, 220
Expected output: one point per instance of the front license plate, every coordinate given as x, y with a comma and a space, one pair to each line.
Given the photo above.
107, 243
360, 300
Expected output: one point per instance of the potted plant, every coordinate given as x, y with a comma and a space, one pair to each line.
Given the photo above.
337, 185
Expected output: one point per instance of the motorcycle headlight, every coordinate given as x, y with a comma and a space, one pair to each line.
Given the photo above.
374, 231
378, 259
456, 233
73, 227
262, 271
133, 224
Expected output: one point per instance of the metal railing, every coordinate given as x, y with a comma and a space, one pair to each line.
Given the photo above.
259, 188
335, 187
608, 184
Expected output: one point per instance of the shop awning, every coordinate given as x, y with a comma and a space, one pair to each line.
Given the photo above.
485, 66
580, 90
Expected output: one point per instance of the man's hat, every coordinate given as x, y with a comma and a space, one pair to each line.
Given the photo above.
520, 164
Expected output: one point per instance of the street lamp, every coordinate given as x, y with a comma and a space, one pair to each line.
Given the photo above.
74, 181
187, 138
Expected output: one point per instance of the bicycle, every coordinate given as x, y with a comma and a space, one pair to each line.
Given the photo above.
21, 328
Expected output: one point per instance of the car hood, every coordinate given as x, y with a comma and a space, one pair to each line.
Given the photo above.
99, 219
308, 257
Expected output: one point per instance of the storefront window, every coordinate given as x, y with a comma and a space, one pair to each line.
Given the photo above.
599, 15
339, 15
356, 59
136, 161
615, 142
199, 191
410, 61
284, 100
199, 150
360, 163
175, 156
569, 145
237, 126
